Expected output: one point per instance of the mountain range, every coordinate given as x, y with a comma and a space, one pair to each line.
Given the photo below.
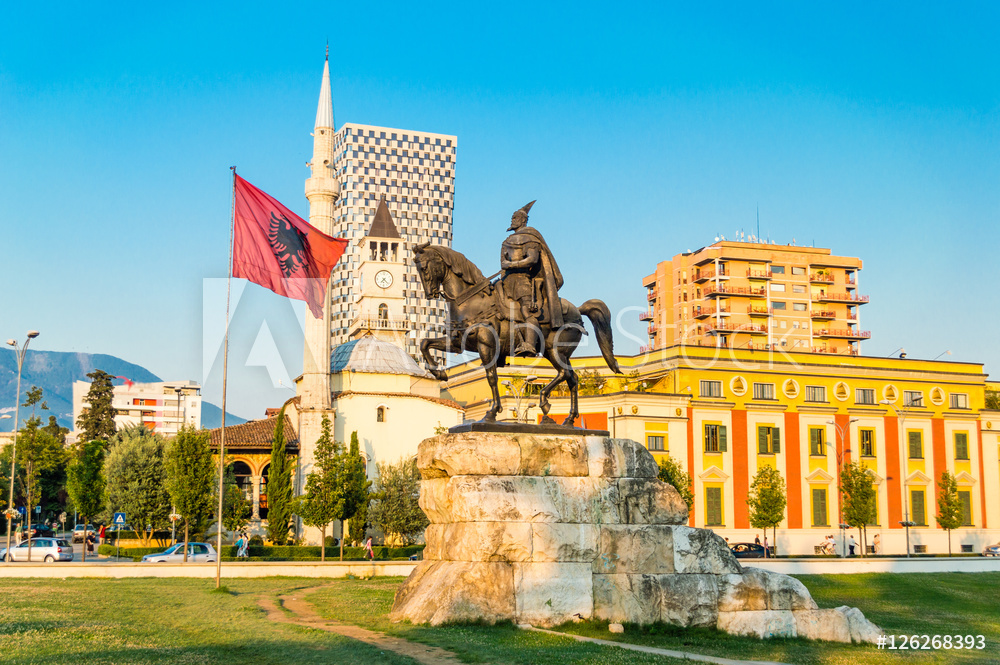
55, 371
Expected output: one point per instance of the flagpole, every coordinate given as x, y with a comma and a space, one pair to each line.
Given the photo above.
225, 371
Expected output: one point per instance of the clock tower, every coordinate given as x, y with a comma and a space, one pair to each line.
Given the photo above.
379, 309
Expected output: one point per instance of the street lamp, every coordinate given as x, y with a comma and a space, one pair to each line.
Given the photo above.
840, 452
901, 414
19, 353
520, 394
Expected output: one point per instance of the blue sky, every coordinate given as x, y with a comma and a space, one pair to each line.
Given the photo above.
642, 129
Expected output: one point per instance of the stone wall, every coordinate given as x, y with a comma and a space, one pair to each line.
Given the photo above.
548, 529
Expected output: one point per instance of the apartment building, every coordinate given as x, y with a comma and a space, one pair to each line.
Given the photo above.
161, 407
756, 296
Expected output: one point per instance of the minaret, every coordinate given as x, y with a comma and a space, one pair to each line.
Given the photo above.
322, 190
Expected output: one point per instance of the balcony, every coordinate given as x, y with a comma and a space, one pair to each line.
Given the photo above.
760, 311
835, 351
651, 295
380, 323
646, 316
821, 277
651, 331
758, 274
725, 327
645, 348
820, 314
702, 312
840, 297
843, 333
723, 290
710, 273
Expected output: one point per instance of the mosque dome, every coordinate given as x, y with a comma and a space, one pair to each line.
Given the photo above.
374, 356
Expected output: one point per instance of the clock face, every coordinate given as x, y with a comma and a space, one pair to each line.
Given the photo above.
383, 279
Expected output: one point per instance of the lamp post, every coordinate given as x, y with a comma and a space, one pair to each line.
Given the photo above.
19, 353
183, 417
841, 433
901, 414
520, 394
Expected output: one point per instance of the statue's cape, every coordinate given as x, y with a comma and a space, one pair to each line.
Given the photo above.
551, 274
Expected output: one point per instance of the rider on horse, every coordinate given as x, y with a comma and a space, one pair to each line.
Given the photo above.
531, 279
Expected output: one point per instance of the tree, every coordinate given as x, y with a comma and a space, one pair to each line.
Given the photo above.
97, 421
395, 509
858, 495
137, 480
767, 501
37, 452
279, 486
236, 506
190, 474
355, 486
323, 500
672, 473
992, 400
949, 506
85, 482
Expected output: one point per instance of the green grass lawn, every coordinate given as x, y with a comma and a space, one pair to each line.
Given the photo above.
180, 621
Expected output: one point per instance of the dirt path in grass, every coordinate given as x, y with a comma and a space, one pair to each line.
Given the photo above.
301, 613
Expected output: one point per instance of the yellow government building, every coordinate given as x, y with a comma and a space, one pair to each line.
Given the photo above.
722, 413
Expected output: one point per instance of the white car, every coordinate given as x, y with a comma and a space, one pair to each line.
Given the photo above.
42, 549
197, 553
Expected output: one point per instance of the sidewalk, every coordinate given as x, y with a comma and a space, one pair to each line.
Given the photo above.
843, 566
109, 568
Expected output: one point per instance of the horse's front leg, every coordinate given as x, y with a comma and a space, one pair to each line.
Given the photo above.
487, 345
439, 344
574, 397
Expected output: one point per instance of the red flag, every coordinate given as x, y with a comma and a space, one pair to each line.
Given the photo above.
274, 247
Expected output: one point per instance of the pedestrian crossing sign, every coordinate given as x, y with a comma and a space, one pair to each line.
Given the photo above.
119, 519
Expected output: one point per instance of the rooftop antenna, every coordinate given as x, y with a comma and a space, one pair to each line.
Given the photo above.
758, 221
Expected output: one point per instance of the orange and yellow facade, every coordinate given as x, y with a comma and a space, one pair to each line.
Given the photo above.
723, 413
756, 296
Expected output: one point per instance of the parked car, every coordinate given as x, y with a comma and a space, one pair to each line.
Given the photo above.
80, 532
41, 531
197, 553
42, 549
992, 550
748, 550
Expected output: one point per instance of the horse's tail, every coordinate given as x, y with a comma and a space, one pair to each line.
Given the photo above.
600, 316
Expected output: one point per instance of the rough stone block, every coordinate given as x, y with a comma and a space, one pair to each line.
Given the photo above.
479, 541
438, 592
548, 594
742, 593
702, 551
553, 456
563, 542
862, 630
830, 625
435, 500
627, 548
650, 501
689, 600
758, 623
627, 598
481, 454
787, 593
619, 458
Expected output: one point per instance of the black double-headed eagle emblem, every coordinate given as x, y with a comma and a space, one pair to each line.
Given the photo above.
288, 245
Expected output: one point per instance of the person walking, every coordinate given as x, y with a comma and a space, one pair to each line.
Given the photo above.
756, 539
766, 552
369, 552
851, 544
100, 534
877, 544
242, 553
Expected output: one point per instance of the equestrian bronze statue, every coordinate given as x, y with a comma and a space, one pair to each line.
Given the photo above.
520, 314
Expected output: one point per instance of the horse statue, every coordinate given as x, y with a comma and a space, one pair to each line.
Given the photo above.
485, 321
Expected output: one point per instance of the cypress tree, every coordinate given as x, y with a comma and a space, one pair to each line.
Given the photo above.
279, 486
97, 423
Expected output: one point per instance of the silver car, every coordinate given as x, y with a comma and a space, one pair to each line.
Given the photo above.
197, 553
42, 549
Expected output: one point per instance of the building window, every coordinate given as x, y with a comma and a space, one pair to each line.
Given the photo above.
763, 391
917, 513
711, 388
961, 445
815, 394
777, 288
778, 270
715, 438
796, 270
965, 498
799, 306
778, 305
817, 441
380, 414
768, 440
913, 398
655, 442
798, 288
864, 395
959, 401
916, 440
867, 439
819, 507
713, 506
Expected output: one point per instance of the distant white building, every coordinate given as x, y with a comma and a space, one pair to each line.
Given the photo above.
161, 407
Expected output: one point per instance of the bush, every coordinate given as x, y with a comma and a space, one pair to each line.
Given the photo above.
256, 540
